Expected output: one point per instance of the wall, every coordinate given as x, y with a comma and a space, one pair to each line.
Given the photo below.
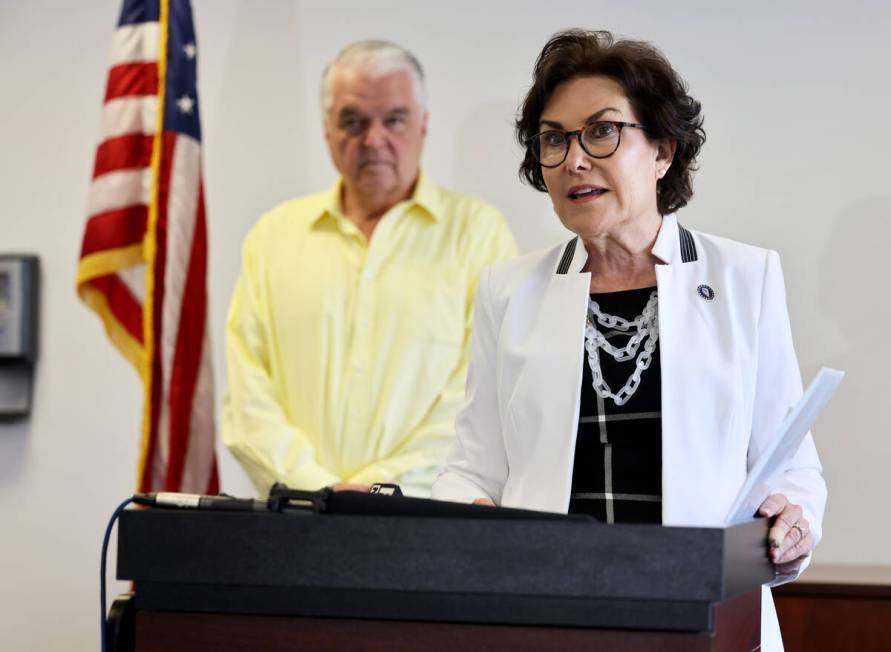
796, 109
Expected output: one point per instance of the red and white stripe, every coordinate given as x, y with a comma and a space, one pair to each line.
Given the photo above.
179, 440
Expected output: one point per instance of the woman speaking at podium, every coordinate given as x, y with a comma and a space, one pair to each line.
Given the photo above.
636, 372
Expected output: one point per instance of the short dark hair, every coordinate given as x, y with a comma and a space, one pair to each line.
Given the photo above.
656, 92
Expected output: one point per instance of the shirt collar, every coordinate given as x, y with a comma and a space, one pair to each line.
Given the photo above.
667, 246
426, 195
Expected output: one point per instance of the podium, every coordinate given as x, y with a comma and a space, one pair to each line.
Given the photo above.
306, 581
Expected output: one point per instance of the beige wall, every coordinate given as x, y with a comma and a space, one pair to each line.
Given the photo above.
796, 103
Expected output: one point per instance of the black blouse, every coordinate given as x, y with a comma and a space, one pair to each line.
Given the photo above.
617, 470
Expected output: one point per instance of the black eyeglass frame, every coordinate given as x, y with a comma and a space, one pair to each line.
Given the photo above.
531, 141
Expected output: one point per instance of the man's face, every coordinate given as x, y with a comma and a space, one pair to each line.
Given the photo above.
375, 132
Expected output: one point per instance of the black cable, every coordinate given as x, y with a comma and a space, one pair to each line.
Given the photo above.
102, 614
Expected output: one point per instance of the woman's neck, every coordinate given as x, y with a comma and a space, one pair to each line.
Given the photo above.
622, 259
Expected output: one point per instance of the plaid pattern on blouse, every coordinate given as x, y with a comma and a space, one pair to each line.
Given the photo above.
617, 471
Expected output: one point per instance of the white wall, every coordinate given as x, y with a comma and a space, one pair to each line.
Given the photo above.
796, 102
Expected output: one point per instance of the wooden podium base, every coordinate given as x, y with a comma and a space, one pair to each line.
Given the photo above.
737, 629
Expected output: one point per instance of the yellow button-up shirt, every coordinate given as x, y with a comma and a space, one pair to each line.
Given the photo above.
347, 358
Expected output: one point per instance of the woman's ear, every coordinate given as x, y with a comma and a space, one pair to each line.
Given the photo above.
665, 149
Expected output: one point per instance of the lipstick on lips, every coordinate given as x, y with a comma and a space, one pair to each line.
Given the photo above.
581, 194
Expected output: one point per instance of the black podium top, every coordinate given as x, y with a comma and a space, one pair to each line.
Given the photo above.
550, 572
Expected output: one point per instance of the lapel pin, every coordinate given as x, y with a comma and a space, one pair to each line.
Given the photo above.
706, 292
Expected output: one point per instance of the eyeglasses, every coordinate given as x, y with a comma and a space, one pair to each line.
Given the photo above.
598, 140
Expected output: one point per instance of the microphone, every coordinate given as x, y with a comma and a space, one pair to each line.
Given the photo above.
196, 501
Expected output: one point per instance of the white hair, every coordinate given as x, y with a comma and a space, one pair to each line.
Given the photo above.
373, 58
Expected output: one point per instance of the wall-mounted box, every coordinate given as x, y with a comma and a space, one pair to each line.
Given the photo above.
19, 299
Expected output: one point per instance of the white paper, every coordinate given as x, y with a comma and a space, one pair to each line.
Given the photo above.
784, 445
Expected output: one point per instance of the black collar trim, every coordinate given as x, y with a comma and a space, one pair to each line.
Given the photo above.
566, 259
688, 245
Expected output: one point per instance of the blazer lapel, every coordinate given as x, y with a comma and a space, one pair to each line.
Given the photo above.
545, 402
697, 395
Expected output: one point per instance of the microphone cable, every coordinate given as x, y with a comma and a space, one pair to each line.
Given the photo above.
103, 626
280, 499
173, 500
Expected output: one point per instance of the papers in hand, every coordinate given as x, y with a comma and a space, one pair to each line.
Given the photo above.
784, 445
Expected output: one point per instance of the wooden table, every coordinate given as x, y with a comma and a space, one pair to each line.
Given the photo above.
837, 607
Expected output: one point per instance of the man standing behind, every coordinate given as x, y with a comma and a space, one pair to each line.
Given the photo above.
348, 334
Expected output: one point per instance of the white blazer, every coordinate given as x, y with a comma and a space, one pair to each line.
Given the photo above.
729, 376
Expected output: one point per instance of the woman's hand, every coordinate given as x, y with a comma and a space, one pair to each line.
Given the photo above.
790, 537
484, 501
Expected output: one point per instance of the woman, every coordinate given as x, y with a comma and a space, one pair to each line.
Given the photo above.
636, 372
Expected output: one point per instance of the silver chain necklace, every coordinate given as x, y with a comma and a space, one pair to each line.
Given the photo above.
644, 329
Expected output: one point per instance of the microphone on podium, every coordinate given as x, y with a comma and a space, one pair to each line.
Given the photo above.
281, 499
222, 502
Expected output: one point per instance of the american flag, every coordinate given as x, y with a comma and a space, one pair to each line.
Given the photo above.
143, 261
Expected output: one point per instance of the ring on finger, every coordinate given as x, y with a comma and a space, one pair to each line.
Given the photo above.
801, 532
